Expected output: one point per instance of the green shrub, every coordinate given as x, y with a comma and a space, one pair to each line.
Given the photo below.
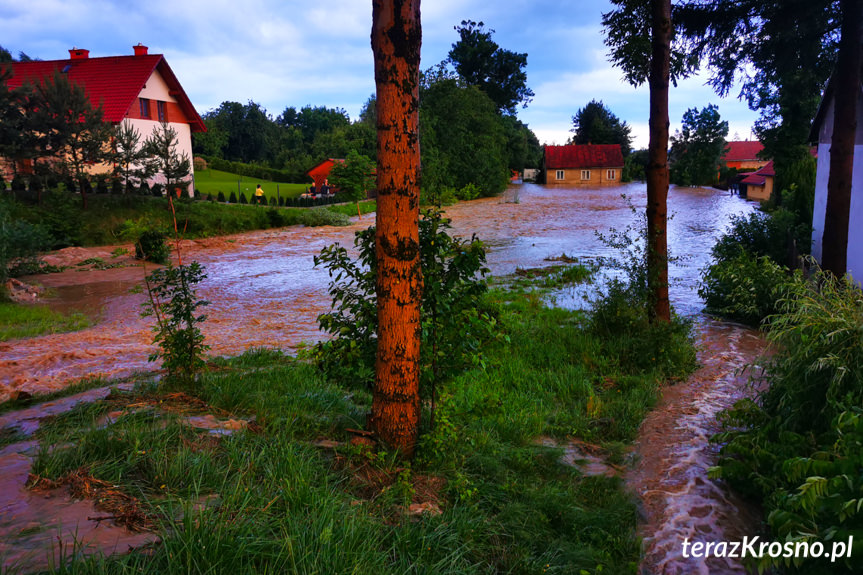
233, 198
151, 246
221, 197
20, 244
468, 192
454, 322
243, 199
174, 305
800, 451
762, 234
744, 288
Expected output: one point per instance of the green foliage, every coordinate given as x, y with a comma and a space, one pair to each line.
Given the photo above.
166, 159
131, 158
174, 305
20, 244
454, 323
354, 177
635, 166
464, 140
744, 287
68, 128
481, 62
800, 450
627, 35
151, 246
749, 268
696, 149
595, 124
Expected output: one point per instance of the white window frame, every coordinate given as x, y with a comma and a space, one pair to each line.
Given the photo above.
611, 175
560, 175
585, 174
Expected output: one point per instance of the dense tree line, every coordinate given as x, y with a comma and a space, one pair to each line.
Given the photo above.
468, 128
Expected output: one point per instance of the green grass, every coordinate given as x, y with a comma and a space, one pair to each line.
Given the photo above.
214, 181
279, 504
112, 219
19, 320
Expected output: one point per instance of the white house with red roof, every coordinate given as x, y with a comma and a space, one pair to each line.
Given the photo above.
140, 89
583, 164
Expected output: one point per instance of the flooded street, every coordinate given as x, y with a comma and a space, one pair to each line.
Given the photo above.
265, 291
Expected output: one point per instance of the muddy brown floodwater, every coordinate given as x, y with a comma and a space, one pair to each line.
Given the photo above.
265, 291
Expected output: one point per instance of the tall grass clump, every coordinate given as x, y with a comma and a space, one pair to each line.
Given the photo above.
799, 448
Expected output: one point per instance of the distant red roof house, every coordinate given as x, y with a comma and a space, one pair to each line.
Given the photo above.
743, 155
583, 164
141, 89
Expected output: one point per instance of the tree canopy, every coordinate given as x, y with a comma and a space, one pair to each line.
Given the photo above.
698, 146
481, 62
596, 124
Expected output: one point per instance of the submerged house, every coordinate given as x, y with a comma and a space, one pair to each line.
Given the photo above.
758, 185
140, 89
822, 135
583, 164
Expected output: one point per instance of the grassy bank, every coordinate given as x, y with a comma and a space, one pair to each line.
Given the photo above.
111, 219
17, 321
297, 491
214, 181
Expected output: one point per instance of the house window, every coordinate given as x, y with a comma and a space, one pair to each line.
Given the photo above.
585, 174
162, 108
612, 174
559, 175
145, 107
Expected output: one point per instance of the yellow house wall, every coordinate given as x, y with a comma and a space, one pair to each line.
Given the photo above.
572, 177
760, 193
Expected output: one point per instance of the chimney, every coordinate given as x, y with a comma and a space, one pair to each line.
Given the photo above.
140, 49
79, 54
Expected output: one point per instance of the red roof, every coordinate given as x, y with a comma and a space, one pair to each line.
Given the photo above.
113, 81
583, 156
759, 178
742, 151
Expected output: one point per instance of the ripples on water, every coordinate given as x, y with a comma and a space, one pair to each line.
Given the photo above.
265, 291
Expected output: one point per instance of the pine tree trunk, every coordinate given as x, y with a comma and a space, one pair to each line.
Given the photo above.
396, 40
657, 164
847, 88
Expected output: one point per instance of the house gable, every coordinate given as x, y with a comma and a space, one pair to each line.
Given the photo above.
583, 164
114, 82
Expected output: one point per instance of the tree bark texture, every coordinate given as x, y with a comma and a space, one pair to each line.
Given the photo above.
846, 82
396, 40
657, 164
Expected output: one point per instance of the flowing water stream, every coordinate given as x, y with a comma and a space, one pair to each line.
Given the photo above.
265, 291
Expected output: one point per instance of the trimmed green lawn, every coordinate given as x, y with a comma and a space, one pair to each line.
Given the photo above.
214, 181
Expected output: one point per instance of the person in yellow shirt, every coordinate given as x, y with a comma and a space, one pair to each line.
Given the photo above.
259, 195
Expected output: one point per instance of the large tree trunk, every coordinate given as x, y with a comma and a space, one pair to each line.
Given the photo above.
846, 84
396, 40
657, 163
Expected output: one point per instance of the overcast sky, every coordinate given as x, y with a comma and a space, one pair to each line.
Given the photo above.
283, 53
